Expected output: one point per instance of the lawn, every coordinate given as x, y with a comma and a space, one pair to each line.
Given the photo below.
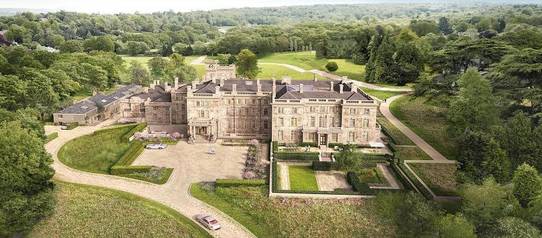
396, 134
97, 152
307, 60
267, 217
268, 71
411, 153
426, 120
382, 95
441, 178
302, 178
88, 211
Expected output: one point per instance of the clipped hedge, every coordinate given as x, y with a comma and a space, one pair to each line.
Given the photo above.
363, 188
322, 165
165, 173
275, 146
402, 178
51, 137
139, 127
425, 192
131, 154
240, 182
71, 126
123, 170
297, 155
309, 144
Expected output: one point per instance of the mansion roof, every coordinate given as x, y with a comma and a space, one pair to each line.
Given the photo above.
100, 99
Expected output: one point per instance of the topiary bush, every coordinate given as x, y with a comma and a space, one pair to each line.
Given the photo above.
331, 66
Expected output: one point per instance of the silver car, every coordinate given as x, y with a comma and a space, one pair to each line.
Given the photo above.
208, 221
156, 146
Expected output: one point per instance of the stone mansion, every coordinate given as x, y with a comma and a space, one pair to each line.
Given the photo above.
224, 107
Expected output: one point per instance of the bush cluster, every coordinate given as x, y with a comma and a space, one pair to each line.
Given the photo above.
363, 188
297, 155
240, 182
130, 133
322, 165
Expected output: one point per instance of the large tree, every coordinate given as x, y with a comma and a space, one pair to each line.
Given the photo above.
25, 179
158, 67
247, 64
140, 75
527, 184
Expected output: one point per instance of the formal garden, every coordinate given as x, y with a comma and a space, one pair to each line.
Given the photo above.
110, 151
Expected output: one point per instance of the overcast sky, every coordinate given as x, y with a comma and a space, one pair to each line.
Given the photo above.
114, 6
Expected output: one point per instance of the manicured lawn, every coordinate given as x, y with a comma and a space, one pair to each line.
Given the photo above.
398, 136
266, 217
411, 153
268, 71
307, 60
302, 178
426, 120
382, 95
96, 152
441, 178
88, 211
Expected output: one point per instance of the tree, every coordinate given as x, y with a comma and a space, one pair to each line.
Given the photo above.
474, 108
332, 66
517, 139
12, 92
158, 67
25, 179
423, 27
408, 58
454, 226
444, 26
99, 43
527, 184
136, 47
140, 75
167, 49
513, 227
247, 64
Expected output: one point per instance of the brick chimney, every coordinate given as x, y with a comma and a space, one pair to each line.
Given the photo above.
301, 88
331, 87
341, 86
274, 88
234, 89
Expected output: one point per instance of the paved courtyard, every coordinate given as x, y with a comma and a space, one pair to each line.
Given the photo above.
192, 162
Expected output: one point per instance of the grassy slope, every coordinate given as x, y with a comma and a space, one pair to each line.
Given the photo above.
411, 153
439, 177
307, 60
87, 211
382, 95
96, 152
302, 178
400, 138
428, 121
266, 217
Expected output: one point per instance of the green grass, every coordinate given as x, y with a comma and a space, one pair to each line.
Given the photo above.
200, 69
51, 137
411, 153
88, 211
269, 71
302, 178
382, 95
441, 178
307, 60
97, 152
267, 217
426, 120
396, 134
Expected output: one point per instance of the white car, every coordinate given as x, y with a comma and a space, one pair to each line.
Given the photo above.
208, 221
156, 146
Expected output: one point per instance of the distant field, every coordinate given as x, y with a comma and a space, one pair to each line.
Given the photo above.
307, 60
87, 211
269, 71
426, 120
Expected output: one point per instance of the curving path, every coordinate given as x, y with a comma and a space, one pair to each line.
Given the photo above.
385, 110
175, 193
336, 77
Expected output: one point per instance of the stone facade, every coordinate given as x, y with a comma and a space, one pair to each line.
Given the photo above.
315, 111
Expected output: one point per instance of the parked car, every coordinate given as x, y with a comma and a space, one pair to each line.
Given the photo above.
208, 221
156, 146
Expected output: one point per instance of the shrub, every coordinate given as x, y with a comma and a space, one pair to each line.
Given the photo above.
322, 165
363, 188
275, 146
331, 66
333, 145
135, 149
51, 137
157, 175
240, 182
122, 170
72, 126
297, 156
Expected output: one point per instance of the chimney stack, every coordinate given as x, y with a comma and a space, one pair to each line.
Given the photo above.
194, 83
331, 87
301, 88
222, 82
274, 88
314, 77
258, 86
341, 88
176, 82
153, 84
217, 89
234, 89
167, 87
354, 87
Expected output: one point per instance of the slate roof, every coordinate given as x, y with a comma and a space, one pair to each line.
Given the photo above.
92, 103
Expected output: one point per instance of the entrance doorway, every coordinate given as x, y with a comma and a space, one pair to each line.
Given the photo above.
201, 130
323, 139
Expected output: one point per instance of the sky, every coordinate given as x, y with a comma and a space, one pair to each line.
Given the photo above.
145, 6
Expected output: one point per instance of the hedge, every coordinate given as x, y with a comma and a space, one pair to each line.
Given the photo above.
139, 127
164, 176
322, 165
297, 155
275, 146
357, 185
240, 182
425, 192
123, 170
131, 154
51, 137
402, 178
309, 144
71, 126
